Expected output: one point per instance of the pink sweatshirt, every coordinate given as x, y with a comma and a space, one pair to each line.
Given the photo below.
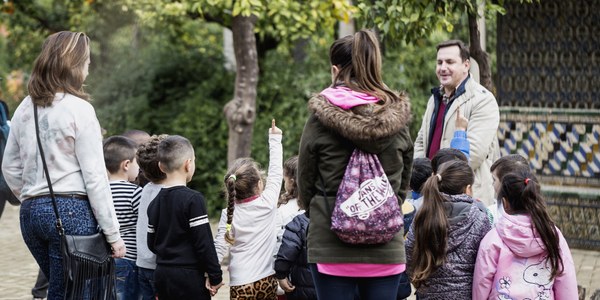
510, 264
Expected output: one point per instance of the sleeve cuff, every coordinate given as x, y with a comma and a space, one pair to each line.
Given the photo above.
461, 134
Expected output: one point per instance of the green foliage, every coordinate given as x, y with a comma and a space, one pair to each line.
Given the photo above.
414, 20
169, 86
286, 20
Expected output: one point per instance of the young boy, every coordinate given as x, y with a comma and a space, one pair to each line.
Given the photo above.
147, 158
121, 165
178, 229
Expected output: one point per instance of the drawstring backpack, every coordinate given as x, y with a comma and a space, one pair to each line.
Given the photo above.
366, 208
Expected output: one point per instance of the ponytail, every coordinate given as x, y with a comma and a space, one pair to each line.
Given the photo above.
431, 233
522, 192
230, 186
358, 58
431, 223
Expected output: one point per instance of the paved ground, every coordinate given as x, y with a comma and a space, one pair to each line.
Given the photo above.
18, 270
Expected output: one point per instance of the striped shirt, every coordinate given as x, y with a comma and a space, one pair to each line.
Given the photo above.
126, 198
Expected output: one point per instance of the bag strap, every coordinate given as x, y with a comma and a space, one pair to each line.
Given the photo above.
59, 226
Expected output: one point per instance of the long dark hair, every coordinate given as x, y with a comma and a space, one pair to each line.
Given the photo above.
359, 61
290, 170
241, 182
522, 191
431, 223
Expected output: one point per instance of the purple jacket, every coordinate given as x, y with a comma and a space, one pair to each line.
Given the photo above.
469, 223
510, 264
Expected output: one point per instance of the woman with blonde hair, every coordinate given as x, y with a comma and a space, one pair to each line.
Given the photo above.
72, 142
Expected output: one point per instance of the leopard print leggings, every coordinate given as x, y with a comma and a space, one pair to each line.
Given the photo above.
263, 289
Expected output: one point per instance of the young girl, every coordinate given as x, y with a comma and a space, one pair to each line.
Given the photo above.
525, 256
287, 207
251, 217
442, 243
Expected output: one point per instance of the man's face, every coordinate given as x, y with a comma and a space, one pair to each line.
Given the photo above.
450, 69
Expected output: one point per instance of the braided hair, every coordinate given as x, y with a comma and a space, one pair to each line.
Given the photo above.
241, 182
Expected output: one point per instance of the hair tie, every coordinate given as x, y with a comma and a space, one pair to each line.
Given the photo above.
228, 227
439, 177
526, 180
232, 176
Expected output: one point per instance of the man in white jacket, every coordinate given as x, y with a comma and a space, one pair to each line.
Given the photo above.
459, 93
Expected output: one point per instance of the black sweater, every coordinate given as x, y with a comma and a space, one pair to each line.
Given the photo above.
179, 232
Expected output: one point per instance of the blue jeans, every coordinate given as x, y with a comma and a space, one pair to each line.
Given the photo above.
342, 288
39, 233
127, 279
146, 283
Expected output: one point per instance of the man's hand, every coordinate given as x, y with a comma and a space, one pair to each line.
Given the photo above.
461, 121
286, 285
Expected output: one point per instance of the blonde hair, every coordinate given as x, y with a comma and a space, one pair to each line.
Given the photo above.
59, 67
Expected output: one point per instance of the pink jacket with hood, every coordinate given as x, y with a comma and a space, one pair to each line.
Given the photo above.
510, 264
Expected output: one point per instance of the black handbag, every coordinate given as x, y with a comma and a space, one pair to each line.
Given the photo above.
89, 269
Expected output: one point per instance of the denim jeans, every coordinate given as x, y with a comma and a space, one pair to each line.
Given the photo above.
127, 279
146, 283
342, 288
38, 222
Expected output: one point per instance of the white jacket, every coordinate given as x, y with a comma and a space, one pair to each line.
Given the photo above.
479, 106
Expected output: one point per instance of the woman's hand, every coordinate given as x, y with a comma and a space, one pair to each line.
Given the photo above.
274, 129
118, 249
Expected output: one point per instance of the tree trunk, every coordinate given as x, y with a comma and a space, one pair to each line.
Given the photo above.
482, 57
240, 112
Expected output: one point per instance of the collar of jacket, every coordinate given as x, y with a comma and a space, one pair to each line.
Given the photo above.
365, 122
437, 92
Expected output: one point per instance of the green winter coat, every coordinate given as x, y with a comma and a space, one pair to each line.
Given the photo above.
329, 137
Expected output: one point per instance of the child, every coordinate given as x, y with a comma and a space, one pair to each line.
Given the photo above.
525, 256
421, 171
443, 240
292, 261
178, 229
505, 165
287, 207
446, 155
146, 260
251, 218
119, 158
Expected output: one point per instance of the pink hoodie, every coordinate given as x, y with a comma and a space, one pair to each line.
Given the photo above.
510, 264
346, 98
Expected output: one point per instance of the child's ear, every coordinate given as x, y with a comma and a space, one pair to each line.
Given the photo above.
161, 167
125, 165
469, 190
188, 165
506, 205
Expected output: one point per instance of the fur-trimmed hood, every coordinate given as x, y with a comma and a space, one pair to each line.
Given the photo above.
367, 126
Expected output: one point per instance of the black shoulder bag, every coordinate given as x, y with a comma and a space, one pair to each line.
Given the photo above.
89, 269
